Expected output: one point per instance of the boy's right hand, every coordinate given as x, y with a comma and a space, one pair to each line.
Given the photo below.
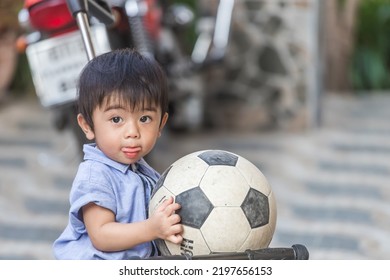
166, 222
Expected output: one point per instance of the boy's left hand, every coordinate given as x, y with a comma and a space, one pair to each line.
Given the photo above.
167, 222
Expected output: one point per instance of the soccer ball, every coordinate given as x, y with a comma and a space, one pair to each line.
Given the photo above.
226, 203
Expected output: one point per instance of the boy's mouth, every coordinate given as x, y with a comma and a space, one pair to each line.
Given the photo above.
131, 152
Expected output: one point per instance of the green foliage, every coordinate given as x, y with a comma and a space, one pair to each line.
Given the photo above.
189, 3
341, 3
22, 82
370, 65
188, 35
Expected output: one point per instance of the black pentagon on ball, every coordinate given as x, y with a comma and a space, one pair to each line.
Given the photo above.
218, 157
195, 207
256, 208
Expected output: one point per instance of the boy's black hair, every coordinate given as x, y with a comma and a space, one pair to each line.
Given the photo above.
136, 80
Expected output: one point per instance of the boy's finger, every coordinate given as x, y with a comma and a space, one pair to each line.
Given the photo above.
170, 209
165, 203
175, 219
177, 239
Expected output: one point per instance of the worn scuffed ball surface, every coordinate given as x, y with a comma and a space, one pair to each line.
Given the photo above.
227, 204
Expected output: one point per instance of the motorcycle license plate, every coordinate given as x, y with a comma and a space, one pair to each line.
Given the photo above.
56, 63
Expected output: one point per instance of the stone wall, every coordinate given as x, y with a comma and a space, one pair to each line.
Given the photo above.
269, 79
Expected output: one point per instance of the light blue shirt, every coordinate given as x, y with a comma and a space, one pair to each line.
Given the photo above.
123, 189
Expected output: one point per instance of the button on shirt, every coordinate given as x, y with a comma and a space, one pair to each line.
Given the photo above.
123, 189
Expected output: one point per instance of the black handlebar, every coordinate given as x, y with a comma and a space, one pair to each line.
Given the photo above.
296, 252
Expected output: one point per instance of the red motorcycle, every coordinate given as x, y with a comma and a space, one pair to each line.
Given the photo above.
56, 51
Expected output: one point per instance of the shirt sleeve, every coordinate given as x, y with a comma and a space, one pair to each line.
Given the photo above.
90, 189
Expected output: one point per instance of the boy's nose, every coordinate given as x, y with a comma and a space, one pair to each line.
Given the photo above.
132, 131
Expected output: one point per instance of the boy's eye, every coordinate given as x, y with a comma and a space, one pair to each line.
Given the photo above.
145, 119
116, 119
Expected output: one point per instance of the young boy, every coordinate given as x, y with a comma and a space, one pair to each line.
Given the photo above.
123, 108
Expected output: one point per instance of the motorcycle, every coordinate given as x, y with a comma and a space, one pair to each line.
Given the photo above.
56, 52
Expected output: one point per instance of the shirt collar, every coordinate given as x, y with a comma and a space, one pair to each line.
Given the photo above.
143, 167
92, 152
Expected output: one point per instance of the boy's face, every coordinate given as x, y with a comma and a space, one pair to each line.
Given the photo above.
122, 134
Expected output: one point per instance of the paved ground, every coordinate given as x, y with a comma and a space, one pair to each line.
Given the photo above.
331, 184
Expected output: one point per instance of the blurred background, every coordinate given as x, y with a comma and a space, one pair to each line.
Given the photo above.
302, 91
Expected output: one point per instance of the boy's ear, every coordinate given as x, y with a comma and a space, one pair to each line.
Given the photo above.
163, 122
85, 127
